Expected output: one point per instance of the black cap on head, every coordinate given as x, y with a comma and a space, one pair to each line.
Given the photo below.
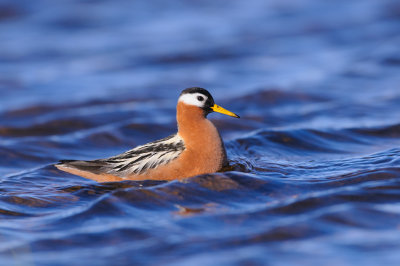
197, 90
210, 100
207, 106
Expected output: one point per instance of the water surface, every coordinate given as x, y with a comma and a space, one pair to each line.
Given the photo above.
315, 158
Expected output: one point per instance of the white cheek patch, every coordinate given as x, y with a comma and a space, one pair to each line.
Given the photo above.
191, 99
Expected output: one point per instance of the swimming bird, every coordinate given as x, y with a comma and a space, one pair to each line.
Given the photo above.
197, 148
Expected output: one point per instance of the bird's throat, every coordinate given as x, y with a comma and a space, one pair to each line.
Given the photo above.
200, 136
194, 127
192, 123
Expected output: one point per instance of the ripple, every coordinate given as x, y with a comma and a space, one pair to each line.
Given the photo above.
314, 160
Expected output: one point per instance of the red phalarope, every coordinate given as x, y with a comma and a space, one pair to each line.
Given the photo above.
196, 148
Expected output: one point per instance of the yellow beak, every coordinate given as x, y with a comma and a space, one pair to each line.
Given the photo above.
219, 109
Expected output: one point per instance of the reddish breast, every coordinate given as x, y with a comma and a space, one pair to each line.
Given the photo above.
204, 149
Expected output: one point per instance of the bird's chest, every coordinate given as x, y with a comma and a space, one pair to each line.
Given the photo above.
206, 148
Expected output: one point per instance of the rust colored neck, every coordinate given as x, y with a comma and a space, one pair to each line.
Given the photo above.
202, 141
192, 123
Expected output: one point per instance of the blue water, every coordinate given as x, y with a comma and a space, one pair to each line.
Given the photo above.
315, 158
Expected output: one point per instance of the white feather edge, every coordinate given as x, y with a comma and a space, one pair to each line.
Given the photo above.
155, 159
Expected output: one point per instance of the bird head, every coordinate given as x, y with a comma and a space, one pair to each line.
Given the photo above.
202, 98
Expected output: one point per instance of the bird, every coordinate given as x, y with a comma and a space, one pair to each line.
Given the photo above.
197, 148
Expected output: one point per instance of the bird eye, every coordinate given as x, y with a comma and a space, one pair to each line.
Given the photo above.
200, 98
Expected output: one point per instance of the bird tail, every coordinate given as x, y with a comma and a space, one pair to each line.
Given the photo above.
88, 166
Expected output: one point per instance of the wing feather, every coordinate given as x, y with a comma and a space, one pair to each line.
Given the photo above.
145, 157
135, 161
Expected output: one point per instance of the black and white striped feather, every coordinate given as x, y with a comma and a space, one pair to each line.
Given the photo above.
135, 161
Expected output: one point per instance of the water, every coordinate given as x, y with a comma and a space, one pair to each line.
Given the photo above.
315, 158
